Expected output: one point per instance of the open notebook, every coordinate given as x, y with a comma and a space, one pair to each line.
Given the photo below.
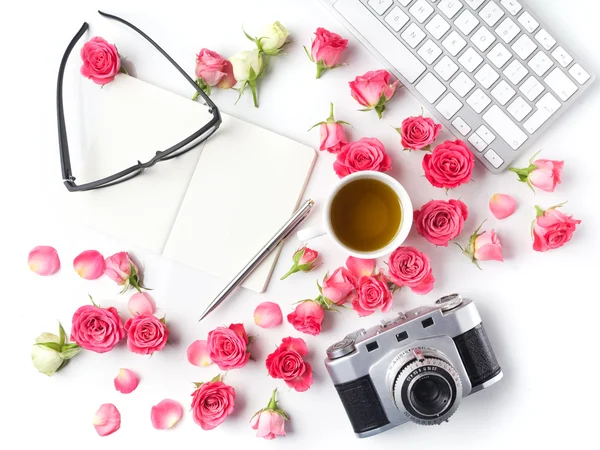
212, 208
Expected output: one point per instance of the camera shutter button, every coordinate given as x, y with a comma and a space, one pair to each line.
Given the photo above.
341, 348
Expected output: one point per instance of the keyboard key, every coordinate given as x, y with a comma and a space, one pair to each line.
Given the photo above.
499, 55
445, 68
505, 127
487, 76
396, 18
493, 158
561, 55
437, 26
546, 107
544, 38
450, 7
421, 10
429, 51
519, 109
579, 73
528, 22
405, 2
462, 84
478, 100
466, 22
483, 39
449, 106
503, 92
524, 46
540, 63
560, 84
532, 88
454, 43
379, 36
470, 59
413, 35
491, 13
475, 3
512, 6
431, 88
515, 72
508, 30
380, 6
477, 142
485, 134
461, 126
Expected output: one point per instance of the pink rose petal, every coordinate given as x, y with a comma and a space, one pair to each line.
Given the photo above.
166, 414
44, 260
360, 267
89, 264
141, 304
198, 354
107, 419
126, 381
268, 315
502, 205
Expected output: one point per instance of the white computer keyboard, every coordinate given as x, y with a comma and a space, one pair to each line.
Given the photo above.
489, 70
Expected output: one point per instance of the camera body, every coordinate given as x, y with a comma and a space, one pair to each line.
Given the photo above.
416, 367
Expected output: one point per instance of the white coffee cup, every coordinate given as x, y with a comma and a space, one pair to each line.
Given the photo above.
326, 228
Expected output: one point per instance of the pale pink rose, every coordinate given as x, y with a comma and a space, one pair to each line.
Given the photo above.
44, 260
419, 132
326, 50
410, 267
287, 363
146, 334
502, 205
97, 329
307, 317
141, 303
198, 354
211, 404
333, 137
340, 286
546, 174
166, 414
449, 165
119, 267
440, 221
89, 264
552, 229
365, 154
107, 419
373, 90
488, 247
228, 347
373, 294
214, 70
268, 424
126, 381
359, 267
268, 315
101, 61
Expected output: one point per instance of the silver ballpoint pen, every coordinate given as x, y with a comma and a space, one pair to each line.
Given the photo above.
283, 232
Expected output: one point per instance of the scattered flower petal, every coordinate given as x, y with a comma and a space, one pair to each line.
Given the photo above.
44, 260
360, 267
166, 414
198, 354
502, 205
141, 304
126, 381
89, 264
268, 315
107, 419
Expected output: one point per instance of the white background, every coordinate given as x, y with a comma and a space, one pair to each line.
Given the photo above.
540, 310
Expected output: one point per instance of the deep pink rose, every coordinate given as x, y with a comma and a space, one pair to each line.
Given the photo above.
307, 317
228, 347
214, 70
439, 221
487, 247
97, 329
101, 61
449, 165
287, 363
333, 137
546, 174
118, 267
366, 154
552, 229
373, 90
327, 48
373, 293
419, 132
146, 334
211, 404
340, 286
410, 267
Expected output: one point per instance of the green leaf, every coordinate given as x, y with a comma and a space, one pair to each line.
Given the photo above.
93, 302
319, 287
70, 353
163, 320
250, 38
51, 345
282, 414
344, 123
366, 109
241, 91
198, 384
308, 54
539, 212
217, 378
62, 335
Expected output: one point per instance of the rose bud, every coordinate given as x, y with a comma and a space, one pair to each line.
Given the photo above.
50, 352
247, 68
483, 246
326, 50
44, 260
89, 264
449, 165
107, 419
304, 261
307, 317
340, 286
271, 38
122, 270
270, 421
101, 61
502, 205
373, 90
552, 229
544, 174
212, 402
268, 315
365, 154
213, 70
333, 137
418, 133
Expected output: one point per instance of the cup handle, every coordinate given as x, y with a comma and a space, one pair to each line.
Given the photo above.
307, 234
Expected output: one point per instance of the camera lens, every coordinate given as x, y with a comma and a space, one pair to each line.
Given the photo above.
430, 395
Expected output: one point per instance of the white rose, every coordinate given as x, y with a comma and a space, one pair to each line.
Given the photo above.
273, 37
46, 360
243, 61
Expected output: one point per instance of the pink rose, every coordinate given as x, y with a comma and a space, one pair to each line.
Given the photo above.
410, 267
544, 174
326, 50
439, 221
339, 287
552, 229
97, 329
333, 136
212, 402
101, 61
418, 133
373, 90
373, 293
449, 165
304, 260
488, 247
287, 363
214, 70
269, 422
228, 347
122, 270
307, 317
366, 154
146, 334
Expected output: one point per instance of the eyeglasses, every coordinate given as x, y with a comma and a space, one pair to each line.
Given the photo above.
176, 150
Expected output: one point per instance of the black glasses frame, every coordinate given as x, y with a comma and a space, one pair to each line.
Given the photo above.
176, 150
